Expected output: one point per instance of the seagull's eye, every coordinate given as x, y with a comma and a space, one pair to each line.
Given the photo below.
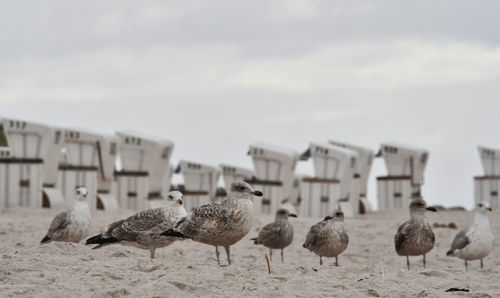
338, 214
242, 188
480, 205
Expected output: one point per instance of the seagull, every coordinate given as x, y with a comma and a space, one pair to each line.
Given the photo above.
415, 237
71, 225
328, 238
220, 223
278, 234
143, 229
475, 242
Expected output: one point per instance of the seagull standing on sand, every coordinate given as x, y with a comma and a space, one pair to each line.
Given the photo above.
72, 225
278, 234
328, 238
220, 223
415, 236
143, 229
475, 242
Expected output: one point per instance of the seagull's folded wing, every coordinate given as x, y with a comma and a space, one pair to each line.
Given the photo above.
461, 240
128, 229
60, 222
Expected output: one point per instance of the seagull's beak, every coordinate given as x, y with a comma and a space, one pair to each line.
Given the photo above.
490, 209
292, 215
431, 209
258, 193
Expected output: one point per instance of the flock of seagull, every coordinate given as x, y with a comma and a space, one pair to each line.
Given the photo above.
225, 222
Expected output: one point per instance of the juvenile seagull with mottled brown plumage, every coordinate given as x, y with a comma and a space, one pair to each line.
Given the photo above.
415, 237
220, 223
328, 238
278, 234
143, 229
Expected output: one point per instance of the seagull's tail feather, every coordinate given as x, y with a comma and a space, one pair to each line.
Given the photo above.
46, 240
304, 245
102, 241
182, 220
174, 233
450, 253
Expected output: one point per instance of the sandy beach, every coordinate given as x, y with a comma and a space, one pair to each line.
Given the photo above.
369, 266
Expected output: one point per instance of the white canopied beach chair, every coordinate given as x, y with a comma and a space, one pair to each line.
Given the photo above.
332, 185
232, 173
27, 147
487, 186
361, 174
405, 175
200, 183
274, 175
144, 177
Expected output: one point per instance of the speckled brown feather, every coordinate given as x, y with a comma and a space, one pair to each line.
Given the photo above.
327, 238
60, 222
144, 226
414, 238
220, 223
276, 235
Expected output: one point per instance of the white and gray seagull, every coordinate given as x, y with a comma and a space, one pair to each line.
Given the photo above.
143, 229
72, 225
415, 236
220, 223
278, 234
475, 242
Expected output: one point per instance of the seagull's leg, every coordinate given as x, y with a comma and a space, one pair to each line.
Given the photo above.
217, 254
282, 261
228, 253
465, 264
424, 260
152, 253
481, 264
270, 254
336, 261
320, 261
408, 262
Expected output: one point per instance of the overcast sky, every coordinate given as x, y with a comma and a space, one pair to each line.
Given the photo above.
215, 76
